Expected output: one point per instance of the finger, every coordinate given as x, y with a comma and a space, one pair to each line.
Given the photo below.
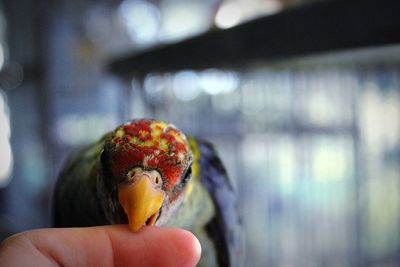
102, 246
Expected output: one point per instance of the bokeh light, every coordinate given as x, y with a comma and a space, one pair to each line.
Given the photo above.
186, 85
142, 20
6, 157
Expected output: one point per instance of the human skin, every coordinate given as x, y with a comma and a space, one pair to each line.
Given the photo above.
107, 246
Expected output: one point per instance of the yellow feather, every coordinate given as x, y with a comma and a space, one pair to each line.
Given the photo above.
196, 157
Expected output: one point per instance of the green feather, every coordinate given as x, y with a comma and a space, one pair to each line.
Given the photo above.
75, 197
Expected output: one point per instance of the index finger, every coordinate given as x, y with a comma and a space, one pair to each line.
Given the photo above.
101, 246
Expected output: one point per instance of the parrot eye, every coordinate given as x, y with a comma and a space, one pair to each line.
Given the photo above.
187, 175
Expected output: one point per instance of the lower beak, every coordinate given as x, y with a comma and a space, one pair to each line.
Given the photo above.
141, 202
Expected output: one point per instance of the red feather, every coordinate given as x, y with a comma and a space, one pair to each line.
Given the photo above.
153, 145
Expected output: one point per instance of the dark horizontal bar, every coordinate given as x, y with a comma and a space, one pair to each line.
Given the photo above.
309, 29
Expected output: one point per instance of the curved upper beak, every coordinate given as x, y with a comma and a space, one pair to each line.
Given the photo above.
141, 201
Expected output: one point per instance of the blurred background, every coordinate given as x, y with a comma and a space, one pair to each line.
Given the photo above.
311, 142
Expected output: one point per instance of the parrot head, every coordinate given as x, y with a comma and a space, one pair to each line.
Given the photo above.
146, 164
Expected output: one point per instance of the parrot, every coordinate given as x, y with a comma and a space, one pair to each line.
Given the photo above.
147, 172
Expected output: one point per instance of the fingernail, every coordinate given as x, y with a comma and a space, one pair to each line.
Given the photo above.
197, 246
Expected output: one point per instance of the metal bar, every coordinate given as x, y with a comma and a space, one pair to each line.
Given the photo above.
309, 29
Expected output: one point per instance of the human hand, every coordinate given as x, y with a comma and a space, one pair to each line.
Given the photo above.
113, 245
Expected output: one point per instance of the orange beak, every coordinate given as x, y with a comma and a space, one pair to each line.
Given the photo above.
141, 202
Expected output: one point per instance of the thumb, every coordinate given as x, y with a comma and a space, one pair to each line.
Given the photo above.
110, 246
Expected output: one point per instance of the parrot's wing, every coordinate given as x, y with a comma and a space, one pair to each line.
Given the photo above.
75, 201
225, 226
